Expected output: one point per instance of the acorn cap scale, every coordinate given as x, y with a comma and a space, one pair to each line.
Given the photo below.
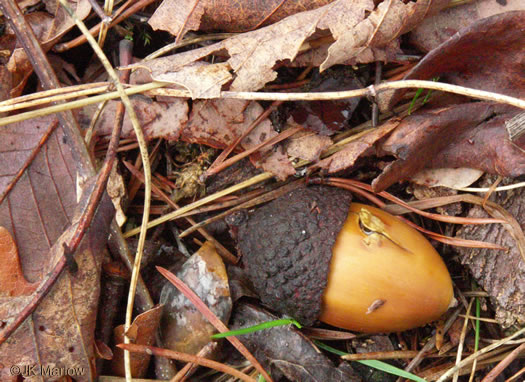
287, 247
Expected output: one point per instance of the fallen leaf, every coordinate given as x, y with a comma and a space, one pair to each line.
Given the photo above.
217, 123
362, 34
440, 27
142, 332
447, 177
307, 145
158, 119
183, 328
488, 55
18, 64
39, 209
464, 135
225, 15
12, 280
352, 151
48, 30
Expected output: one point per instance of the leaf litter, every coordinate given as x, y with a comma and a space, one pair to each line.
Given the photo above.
447, 132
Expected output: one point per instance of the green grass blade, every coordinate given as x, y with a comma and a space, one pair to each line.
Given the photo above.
379, 365
255, 328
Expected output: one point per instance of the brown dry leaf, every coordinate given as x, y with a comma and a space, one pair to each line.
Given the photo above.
447, 177
183, 328
501, 274
142, 332
38, 207
178, 69
18, 64
158, 119
307, 145
465, 135
225, 15
217, 123
362, 34
12, 280
488, 55
437, 29
48, 31
62, 22
346, 158
364, 42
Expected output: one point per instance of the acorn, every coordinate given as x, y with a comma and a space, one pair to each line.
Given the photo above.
313, 255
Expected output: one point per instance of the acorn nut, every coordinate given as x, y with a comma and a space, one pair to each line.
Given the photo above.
313, 255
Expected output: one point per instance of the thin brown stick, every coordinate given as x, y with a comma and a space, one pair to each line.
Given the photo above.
280, 137
349, 184
224, 154
190, 368
438, 217
492, 187
151, 350
502, 365
201, 307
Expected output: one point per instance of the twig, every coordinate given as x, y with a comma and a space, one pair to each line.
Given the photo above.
321, 96
108, 10
493, 374
462, 340
53, 95
187, 41
66, 107
366, 92
375, 106
472, 357
278, 138
151, 350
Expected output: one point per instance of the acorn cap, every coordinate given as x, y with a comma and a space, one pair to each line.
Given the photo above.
287, 247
